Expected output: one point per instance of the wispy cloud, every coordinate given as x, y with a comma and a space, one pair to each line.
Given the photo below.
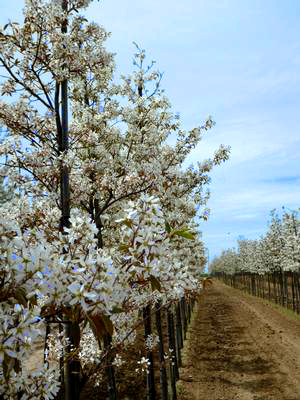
238, 61
283, 180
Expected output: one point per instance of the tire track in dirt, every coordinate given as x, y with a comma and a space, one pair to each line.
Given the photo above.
237, 349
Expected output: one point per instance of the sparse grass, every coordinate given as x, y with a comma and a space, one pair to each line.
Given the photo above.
181, 390
287, 312
283, 310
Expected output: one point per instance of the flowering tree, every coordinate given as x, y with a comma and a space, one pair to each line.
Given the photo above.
6, 193
276, 251
126, 242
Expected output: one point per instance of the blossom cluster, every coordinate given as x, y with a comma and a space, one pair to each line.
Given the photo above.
277, 250
131, 238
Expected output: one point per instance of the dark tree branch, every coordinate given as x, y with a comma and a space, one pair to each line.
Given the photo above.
19, 82
108, 204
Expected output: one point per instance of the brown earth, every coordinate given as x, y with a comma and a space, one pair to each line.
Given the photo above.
240, 347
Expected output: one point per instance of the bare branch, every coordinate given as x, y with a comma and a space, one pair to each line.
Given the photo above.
19, 82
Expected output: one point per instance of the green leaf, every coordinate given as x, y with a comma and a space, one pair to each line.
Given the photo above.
185, 233
75, 332
33, 300
155, 284
127, 222
68, 312
7, 365
124, 247
168, 228
20, 296
108, 325
17, 366
95, 327
116, 310
100, 324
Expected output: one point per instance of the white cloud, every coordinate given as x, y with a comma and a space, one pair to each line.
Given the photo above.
238, 61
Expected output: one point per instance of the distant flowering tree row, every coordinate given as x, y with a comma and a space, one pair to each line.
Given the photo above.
130, 238
278, 250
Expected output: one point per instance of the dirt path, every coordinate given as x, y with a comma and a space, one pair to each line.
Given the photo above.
240, 348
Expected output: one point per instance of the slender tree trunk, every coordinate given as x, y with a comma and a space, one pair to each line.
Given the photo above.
189, 310
275, 287
172, 341
298, 289
72, 367
110, 372
112, 391
162, 369
150, 374
293, 291
286, 288
252, 284
174, 373
281, 287
46, 347
183, 314
179, 340
61, 357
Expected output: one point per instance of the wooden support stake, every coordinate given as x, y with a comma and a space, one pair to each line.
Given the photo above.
150, 374
111, 383
174, 370
162, 368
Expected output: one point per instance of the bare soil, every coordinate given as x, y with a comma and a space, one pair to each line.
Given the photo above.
240, 347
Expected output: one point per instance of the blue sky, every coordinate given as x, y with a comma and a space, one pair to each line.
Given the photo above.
238, 60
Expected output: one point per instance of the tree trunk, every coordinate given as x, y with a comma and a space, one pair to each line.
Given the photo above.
162, 369
174, 373
150, 374
72, 368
